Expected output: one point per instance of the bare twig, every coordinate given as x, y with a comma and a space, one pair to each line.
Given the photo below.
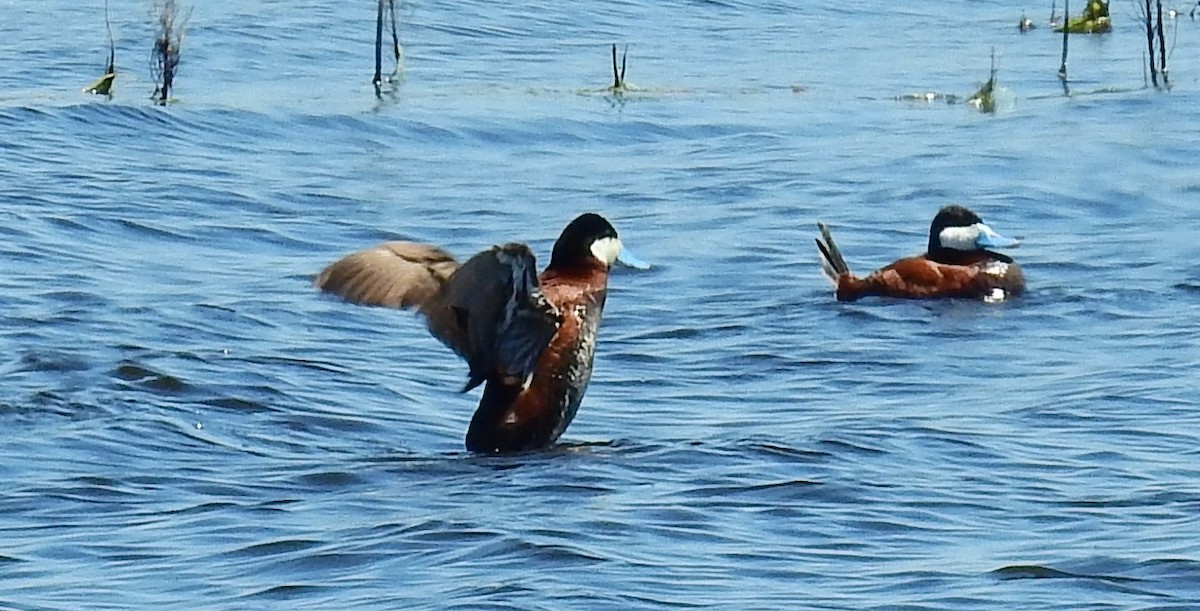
396, 52
618, 77
378, 80
1162, 45
111, 68
1062, 68
395, 38
1150, 44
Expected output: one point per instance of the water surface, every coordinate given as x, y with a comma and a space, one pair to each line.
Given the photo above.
188, 424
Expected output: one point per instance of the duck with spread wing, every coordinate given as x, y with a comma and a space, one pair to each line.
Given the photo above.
528, 338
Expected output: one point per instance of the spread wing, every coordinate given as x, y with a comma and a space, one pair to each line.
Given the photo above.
493, 314
392, 274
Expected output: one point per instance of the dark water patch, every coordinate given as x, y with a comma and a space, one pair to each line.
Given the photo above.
1157, 500
276, 548
113, 497
1105, 581
14, 116
331, 480
237, 404
288, 592
72, 225
840, 446
331, 564
790, 491
232, 314
777, 451
678, 333
510, 551
335, 423
207, 507
43, 407
49, 361
149, 379
571, 490
1019, 571
146, 230
299, 362
438, 531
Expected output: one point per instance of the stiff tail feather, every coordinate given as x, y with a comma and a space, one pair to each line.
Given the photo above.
832, 262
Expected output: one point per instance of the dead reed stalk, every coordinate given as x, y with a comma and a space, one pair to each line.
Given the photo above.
164, 59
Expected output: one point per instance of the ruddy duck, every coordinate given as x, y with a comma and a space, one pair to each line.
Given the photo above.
529, 339
958, 263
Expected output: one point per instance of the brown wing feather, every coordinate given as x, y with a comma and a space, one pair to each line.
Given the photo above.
392, 274
916, 277
489, 310
920, 277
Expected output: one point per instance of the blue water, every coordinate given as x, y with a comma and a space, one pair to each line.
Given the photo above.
188, 424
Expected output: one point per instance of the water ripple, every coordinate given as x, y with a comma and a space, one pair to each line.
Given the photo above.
187, 419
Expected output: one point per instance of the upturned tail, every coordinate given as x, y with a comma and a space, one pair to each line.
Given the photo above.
832, 262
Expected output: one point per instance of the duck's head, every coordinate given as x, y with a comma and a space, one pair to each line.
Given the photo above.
590, 237
956, 228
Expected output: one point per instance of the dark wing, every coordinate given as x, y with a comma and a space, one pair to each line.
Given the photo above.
392, 274
494, 315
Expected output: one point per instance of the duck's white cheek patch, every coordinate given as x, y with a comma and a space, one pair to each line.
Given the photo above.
606, 249
959, 238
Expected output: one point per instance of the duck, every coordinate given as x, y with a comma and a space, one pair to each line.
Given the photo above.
958, 263
528, 338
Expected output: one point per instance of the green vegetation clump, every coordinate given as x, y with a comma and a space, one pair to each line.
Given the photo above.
1094, 20
103, 85
985, 98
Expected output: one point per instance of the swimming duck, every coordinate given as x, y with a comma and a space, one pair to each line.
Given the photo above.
528, 338
957, 263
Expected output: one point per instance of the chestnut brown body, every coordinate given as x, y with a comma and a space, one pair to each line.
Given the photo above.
529, 339
956, 264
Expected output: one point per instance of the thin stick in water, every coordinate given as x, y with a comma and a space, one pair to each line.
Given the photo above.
378, 80
1150, 43
618, 85
1062, 69
1162, 45
395, 38
111, 68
